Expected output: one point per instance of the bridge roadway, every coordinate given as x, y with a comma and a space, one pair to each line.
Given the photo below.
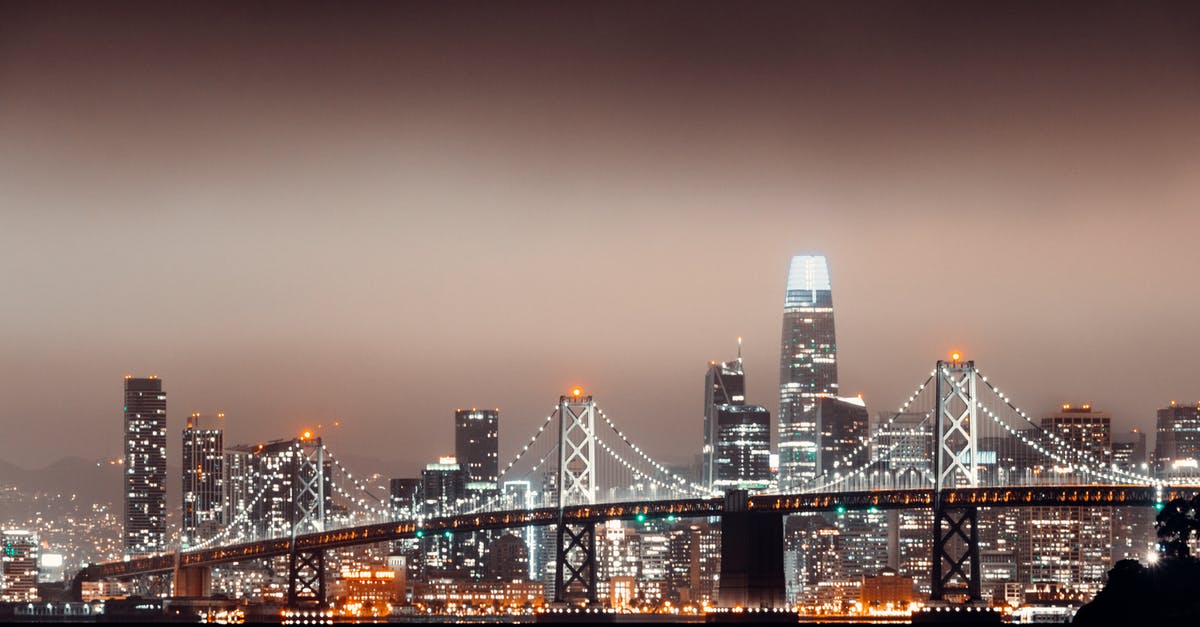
1022, 496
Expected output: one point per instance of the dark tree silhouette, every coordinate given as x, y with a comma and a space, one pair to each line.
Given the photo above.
1165, 592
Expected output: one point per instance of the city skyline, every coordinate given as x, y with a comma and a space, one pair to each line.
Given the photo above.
381, 267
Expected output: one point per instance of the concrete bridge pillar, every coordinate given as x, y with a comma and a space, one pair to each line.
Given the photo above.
193, 581
751, 556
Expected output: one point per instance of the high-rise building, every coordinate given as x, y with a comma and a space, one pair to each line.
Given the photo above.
695, 562
737, 436
145, 485
203, 479
1177, 445
1071, 546
443, 484
807, 367
742, 454
508, 559
1129, 451
1133, 527
724, 384
18, 581
264, 491
903, 447
843, 425
477, 446
405, 496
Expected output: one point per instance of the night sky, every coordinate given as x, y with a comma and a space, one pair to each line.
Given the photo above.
382, 212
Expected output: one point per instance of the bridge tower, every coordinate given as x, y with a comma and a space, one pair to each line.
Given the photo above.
955, 529
575, 561
307, 493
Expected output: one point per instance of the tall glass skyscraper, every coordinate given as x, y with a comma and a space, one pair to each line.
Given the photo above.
807, 367
724, 384
145, 466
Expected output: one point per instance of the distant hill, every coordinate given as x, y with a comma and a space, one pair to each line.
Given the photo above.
94, 481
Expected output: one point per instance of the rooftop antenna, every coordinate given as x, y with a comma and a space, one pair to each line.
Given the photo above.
739, 348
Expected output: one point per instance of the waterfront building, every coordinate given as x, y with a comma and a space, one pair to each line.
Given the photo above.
145, 478
508, 559
695, 562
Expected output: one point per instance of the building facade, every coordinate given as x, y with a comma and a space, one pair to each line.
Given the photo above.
19, 578
724, 384
1071, 546
477, 446
1177, 445
203, 480
844, 426
145, 481
742, 453
807, 368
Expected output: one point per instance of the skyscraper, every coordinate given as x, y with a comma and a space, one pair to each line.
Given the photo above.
477, 446
724, 384
741, 457
203, 480
807, 367
843, 425
1177, 447
1071, 546
145, 466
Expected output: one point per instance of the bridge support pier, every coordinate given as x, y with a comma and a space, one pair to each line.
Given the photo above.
193, 581
306, 578
751, 556
955, 554
575, 561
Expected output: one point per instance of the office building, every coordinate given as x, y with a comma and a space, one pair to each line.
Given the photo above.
843, 425
903, 449
443, 485
1129, 451
203, 479
19, 577
1071, 546
742, 454
1177, 445
807, 369
405, 496
508, 559
476, 446
145, 482
695, 549
724, 384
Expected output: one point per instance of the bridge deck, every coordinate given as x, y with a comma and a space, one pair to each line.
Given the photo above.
1044, 496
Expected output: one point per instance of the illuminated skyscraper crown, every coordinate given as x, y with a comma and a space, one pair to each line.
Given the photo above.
808, 282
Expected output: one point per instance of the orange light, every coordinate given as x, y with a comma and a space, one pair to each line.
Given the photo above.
307, 435
955, 356
576, 391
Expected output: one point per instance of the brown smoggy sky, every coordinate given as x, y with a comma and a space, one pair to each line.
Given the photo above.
381, 211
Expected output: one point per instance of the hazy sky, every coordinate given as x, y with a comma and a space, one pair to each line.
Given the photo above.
381, 212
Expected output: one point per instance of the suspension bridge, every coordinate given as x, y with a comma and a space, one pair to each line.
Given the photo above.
957, 444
